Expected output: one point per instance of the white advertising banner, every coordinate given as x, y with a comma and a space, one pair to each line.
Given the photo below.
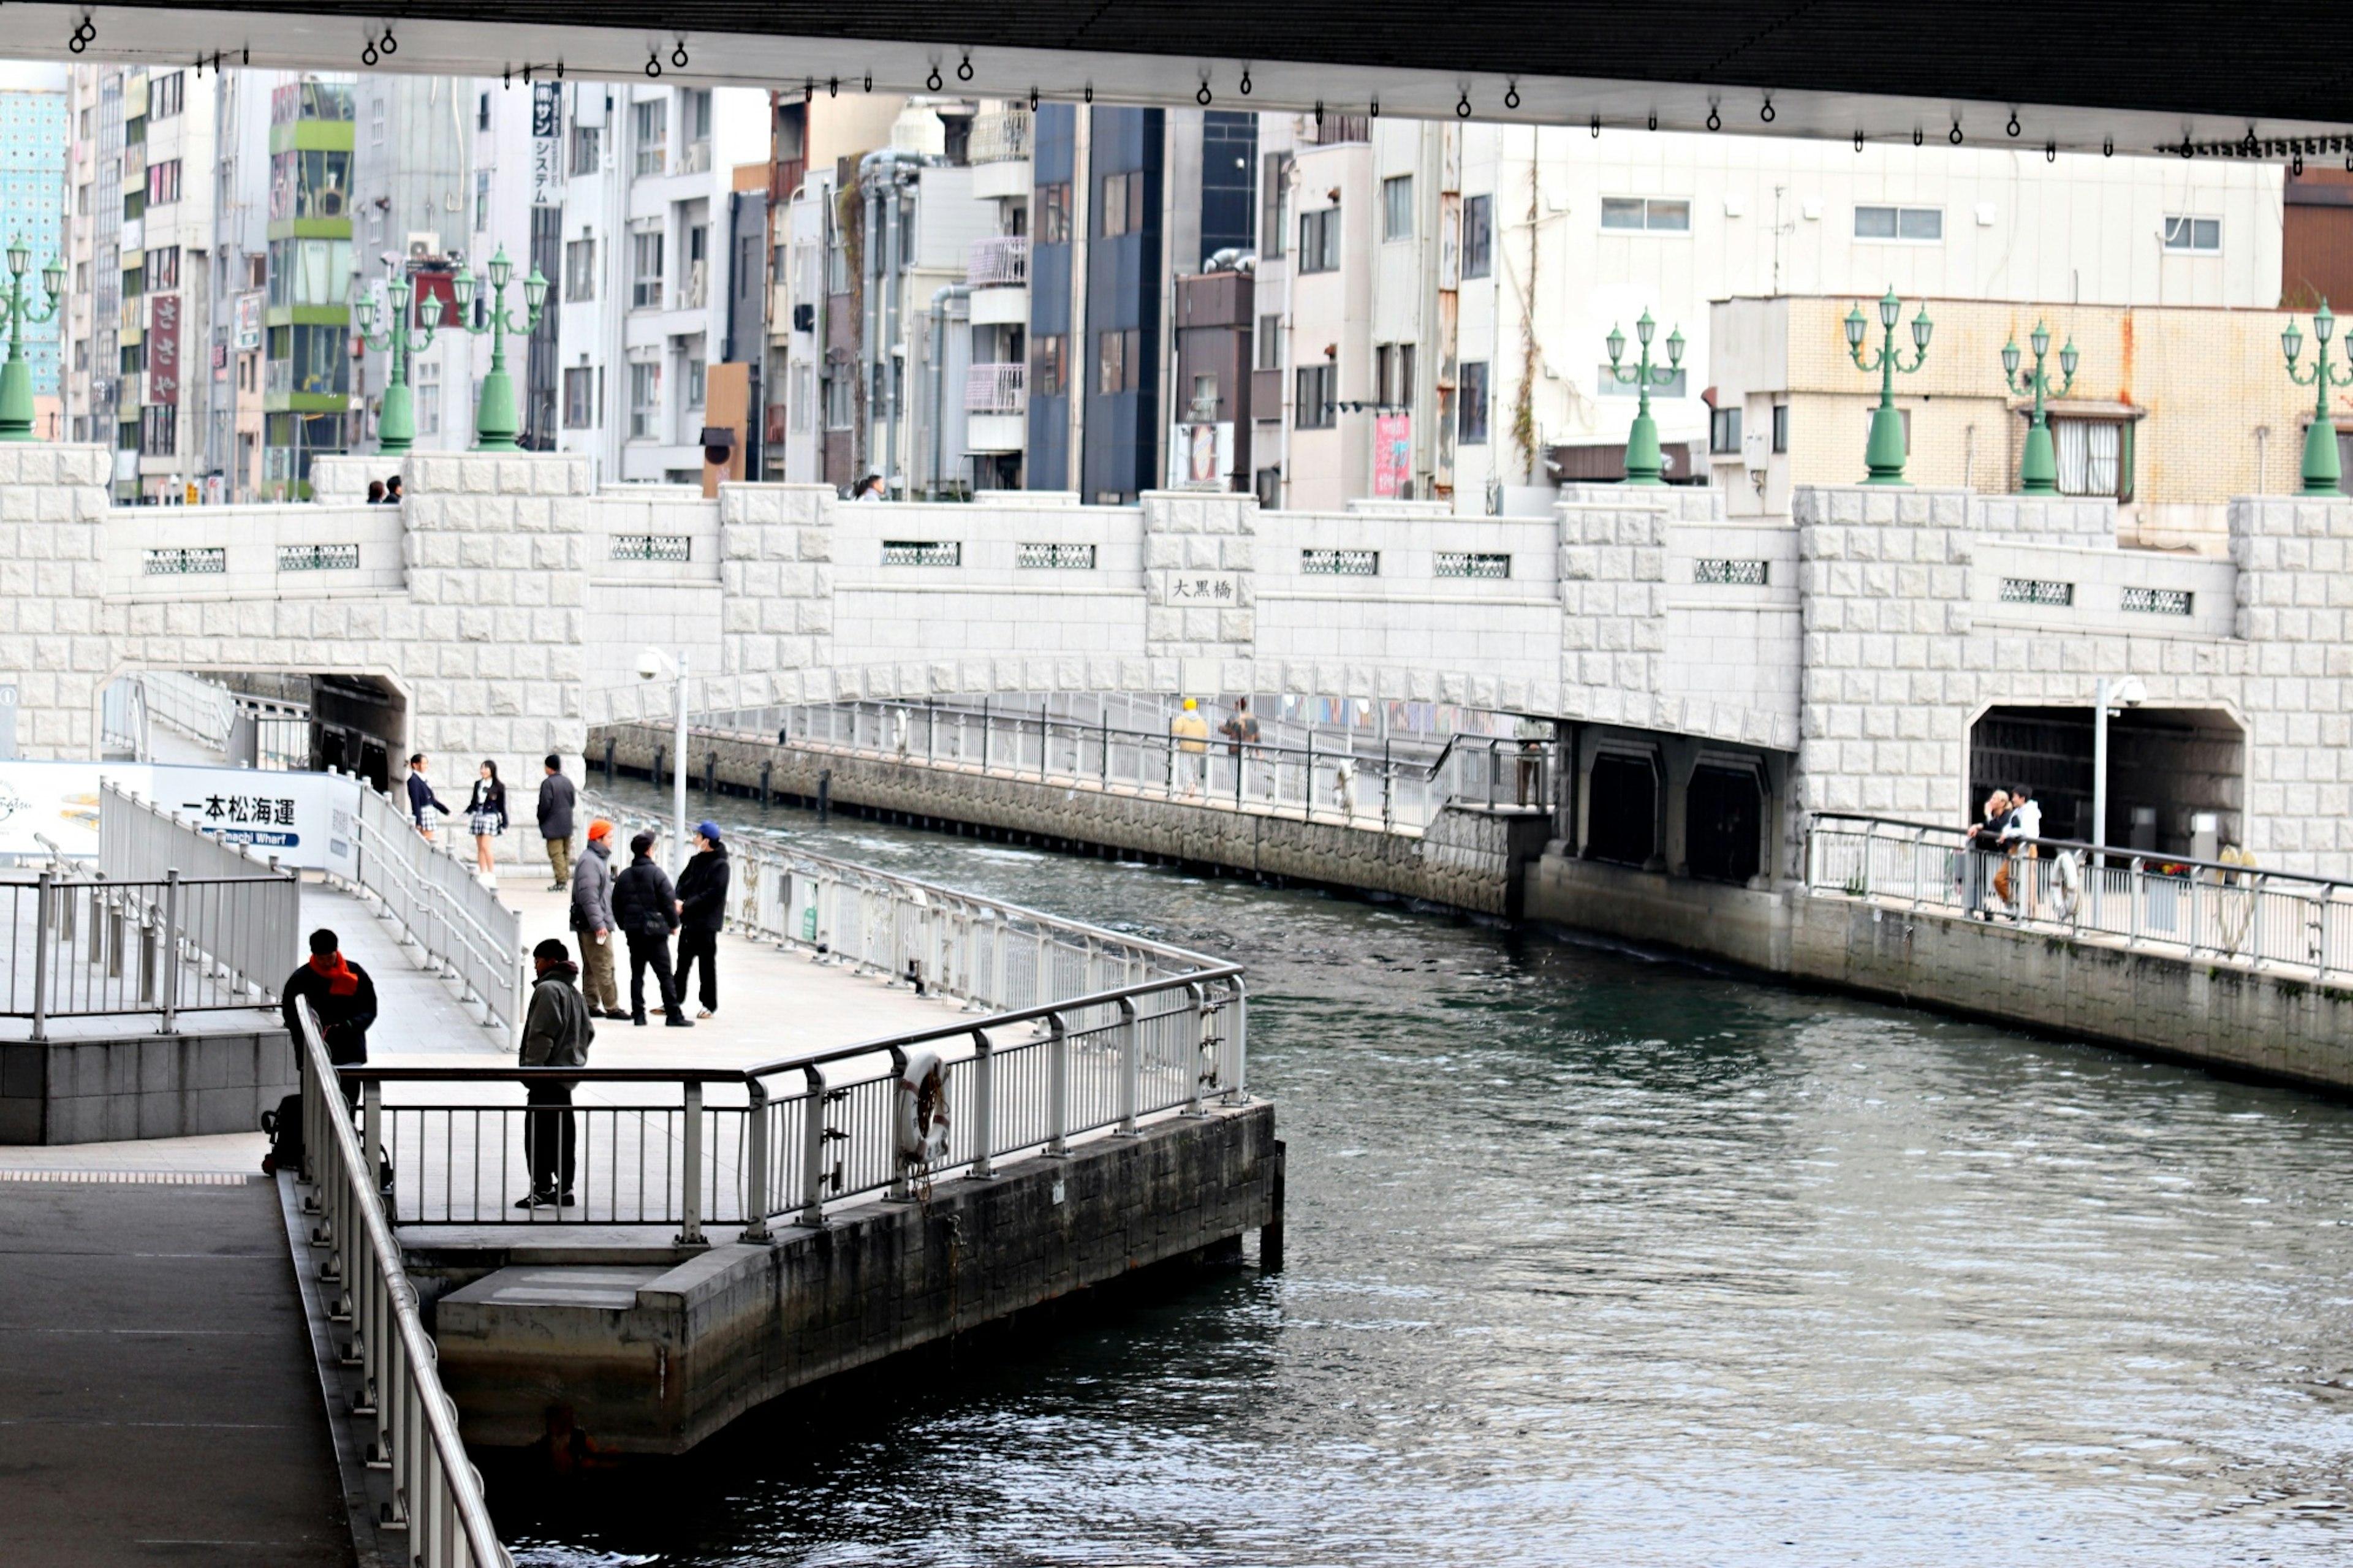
304, 819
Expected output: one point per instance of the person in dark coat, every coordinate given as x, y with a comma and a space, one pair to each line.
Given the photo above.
342, 995
645, 906
593, 920
556, 797
556, 1033
702, 909
421, 798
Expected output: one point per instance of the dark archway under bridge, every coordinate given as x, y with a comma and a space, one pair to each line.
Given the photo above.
2069, 75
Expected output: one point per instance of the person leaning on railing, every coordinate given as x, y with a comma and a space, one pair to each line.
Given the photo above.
2020, 831
1984, 845
342, 995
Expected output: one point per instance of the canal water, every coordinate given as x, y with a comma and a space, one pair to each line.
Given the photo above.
1598, 1259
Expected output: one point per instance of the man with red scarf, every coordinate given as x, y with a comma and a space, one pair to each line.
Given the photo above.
342, 994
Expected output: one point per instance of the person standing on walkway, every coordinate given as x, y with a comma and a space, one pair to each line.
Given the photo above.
2020, 834
343, 996
486, 819
556, 1033
1984, 851
1190, 758
1240, 731
645, 907
702, 909
592, 921
556, 798
421, 798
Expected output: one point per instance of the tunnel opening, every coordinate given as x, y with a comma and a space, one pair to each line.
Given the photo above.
1725, 822
2169, 771
272, 721
1622, 823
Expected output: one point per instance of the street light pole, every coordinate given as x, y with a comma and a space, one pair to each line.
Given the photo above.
496, 423
2037, 470
1643, 465
395, 425
16, 376
2322, 470
1884, 456
678, 780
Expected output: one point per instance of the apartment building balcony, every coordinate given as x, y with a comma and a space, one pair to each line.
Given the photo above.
694, 158
999, 155
996, 389
999, 260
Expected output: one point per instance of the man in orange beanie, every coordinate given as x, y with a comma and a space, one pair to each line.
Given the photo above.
592, 917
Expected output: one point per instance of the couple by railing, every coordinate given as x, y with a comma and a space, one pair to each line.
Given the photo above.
2229, 908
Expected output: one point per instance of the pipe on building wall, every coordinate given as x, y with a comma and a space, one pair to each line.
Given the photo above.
940, 298
889, 172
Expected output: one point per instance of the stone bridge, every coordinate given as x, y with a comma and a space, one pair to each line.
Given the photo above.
1846, 655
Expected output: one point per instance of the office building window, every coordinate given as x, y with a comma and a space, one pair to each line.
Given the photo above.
1920, 225
1723, 430
1313, 408
588, 150
2094, 457
580, 269
1471, 405
158, 431
653, 135
646, 269
1274, 204
1270, 342
427, 394
1054, 215
1319, 240
697, 375
1116, 363
2201, 234
1049, 374
482, 200
1654, 213
840, 398
580, 398
1123, 204
163, 183
645, 399
1780, 426
482, 111
163, 269
1478, 236
166, 96
1397, 207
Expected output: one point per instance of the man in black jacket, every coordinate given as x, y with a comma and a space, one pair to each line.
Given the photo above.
556, 1033
340, 993
645, 907
702, 909
557, 796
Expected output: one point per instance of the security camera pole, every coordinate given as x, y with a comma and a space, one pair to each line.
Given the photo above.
650, 664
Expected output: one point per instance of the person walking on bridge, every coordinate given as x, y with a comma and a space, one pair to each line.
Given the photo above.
1191, 757
556, 1033
556, 799
647, 907
592, 921
703, 911
341, 995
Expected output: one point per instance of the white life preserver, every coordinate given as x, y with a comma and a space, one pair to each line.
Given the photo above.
2066, 882
919, 1109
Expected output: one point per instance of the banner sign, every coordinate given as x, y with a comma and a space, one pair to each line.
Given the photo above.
163, 349
305, 820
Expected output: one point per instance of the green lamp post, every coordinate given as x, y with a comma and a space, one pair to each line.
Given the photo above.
496, 423
1884, 456
2038, 471
1643, 464
2321, 470
16, 376
395, 428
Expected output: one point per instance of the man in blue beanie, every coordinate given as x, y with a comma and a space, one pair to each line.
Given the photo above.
702, 900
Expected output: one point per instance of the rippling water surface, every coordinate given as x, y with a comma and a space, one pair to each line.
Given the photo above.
1597, 1259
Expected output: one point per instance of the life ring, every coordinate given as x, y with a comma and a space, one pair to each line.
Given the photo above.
2066, 882
921, 1109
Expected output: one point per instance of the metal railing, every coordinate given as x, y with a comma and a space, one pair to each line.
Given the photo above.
174, 921
998, 259
256, 732
2228, 910
441, 905
996, 389
1340, 777
1086, 1031
436, 1494
999, 137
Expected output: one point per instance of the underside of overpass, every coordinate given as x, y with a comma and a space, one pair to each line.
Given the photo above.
2167, 79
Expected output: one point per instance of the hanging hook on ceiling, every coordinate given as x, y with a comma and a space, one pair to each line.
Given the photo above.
678, 55
1715, 121
1512, 96
1955, 136
367, 53
1246, 81
2013, 126
964, 70
653, 63
932, 80
1202, 97
1765, 113
1462, 105
1858, 138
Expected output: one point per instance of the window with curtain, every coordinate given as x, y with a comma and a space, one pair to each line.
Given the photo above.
2091, 455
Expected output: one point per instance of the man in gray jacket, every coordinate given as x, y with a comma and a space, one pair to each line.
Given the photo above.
557, 796
592, 919
556, 1033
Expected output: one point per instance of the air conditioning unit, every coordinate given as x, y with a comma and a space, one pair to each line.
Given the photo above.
422, 244
805, 318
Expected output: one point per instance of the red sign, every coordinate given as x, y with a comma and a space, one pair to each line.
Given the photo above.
164, 349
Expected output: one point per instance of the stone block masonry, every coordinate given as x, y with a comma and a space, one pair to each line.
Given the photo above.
209, 1078
1470, 858
654, 1358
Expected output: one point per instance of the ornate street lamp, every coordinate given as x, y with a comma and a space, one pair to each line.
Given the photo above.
496, 423
1884, 456
16, 376
2038, 471
2321, 470
1643, 463
395, 428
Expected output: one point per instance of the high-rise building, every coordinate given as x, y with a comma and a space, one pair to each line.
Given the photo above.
306, 362
33, 213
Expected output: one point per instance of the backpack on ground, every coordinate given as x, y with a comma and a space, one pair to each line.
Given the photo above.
284, 1126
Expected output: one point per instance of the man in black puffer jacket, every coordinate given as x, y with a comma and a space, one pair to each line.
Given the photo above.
645, 907
702, 909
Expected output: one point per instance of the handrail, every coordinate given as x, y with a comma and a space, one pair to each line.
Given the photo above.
436, 1494
2080, 847
441, 908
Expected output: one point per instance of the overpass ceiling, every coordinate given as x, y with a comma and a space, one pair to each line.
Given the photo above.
2082, 75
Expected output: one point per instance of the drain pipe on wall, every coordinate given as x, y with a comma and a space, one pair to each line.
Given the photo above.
940, 298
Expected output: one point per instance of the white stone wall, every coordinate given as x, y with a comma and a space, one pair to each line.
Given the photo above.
250, 538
